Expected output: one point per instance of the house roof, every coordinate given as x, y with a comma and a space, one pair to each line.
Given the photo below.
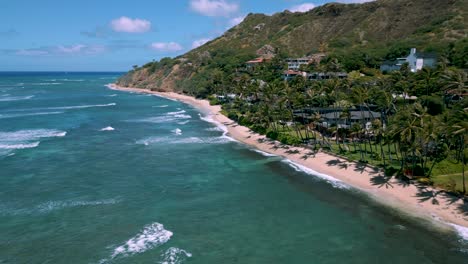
257, 60
354, 115
291, 72
426, 55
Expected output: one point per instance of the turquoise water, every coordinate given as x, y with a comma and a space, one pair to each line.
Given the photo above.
92, 175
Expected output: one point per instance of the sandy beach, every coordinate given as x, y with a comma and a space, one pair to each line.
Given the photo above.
421, 202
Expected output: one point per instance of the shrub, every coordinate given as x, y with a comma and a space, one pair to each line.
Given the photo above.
272, 134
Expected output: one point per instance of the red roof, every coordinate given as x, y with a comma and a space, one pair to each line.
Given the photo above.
257, 60
291, 72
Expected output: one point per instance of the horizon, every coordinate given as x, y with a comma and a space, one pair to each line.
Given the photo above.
89, 36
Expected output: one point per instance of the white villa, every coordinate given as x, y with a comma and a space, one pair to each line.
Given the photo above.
416, 61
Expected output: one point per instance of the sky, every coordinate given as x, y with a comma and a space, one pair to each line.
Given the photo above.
105, 35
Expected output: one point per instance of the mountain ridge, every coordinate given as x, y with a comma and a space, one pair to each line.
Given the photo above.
381, 29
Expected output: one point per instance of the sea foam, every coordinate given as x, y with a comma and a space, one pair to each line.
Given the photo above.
58, 205
461, 231
5, 116
177, 131
109, 128
219, 126
174, 256
16, 98
80, 106
23, 139
333, 181
151, 236
266, 154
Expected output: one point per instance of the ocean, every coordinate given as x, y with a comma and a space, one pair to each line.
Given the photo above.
93, 175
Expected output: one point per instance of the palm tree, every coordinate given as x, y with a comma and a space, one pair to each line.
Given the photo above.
459, 132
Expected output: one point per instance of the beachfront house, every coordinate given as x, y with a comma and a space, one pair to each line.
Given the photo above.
415, 60
346, 121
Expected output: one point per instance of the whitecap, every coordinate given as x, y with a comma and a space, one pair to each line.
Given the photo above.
150, 237
109, 128
160, 106
28, 114
183, 122
176, 113
71, 80
58, 205
16, 98
80, 106
46, 83
174, 256
112, 95
19, 146
23, 139
177, 131
187, 140
333, 181
169, 117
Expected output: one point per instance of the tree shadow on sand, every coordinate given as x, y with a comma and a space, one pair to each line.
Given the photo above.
338, 163
382, 181
295, 151
425, 194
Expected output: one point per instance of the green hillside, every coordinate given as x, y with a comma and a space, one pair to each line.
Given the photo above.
357, 35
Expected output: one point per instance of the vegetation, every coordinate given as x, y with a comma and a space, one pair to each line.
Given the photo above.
422, 125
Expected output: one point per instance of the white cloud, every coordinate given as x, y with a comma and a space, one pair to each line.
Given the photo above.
71, 49
31, 52
199, 42
126, 24
166, 46
77, 49
236, 21
214, 8
302, 7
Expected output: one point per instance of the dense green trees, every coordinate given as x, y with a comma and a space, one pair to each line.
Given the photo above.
417, 127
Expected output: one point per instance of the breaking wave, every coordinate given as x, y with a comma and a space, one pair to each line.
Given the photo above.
160, 106
266, 154
166, 118
50, 206
151, 236
79, 106
16, 98
462, 232
23, 139
177, 131
28, 114
109, 128
46, 83
333, 181
58, 205
174, 256
187, 140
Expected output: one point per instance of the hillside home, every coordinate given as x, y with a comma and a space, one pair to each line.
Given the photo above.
295, 64
416, 61
317, 76
291, 74
251, 64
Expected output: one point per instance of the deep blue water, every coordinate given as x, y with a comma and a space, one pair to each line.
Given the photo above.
93, 175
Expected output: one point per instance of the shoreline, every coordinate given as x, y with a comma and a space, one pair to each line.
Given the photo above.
421, 202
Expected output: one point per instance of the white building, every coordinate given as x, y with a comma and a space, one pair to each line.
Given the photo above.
416, 61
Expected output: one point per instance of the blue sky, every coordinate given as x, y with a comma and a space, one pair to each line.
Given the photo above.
104, 35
